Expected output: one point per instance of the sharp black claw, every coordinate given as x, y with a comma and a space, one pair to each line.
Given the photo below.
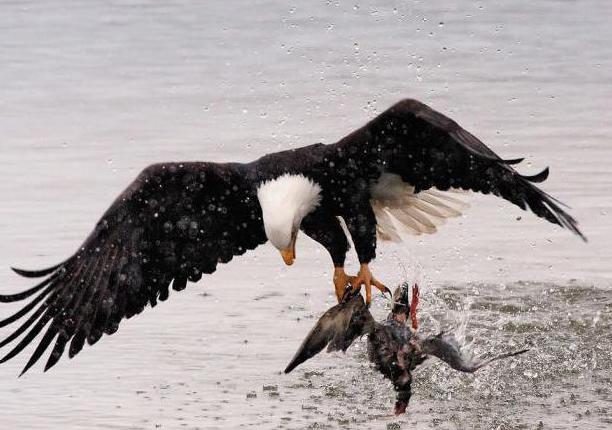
387, 290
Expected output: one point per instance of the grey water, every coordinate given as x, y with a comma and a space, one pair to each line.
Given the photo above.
92, 92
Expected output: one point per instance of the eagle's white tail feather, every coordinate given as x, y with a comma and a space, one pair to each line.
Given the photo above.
448, 196
408, 223
426, 224
446, 211
398, 209
384, 226
428, 207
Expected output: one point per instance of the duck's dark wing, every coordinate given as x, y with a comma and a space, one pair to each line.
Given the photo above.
172, 224
338, 328
446, 348
427, 149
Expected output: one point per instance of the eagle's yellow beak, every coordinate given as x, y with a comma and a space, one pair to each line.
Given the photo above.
288, 254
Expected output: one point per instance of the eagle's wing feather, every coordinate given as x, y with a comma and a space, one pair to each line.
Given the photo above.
395, 204
174, 223
429, 150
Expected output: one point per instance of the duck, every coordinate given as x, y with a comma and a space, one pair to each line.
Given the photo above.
395, 345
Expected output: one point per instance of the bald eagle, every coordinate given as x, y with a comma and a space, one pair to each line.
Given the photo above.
177, 221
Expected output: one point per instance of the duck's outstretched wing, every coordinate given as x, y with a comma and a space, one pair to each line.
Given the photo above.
172, 224
446, 348
338, 328
429, 150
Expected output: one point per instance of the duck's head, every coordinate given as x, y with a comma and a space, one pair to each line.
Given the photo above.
401, 302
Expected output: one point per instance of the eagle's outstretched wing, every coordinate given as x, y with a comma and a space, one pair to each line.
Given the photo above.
172, 224
429, 150
338, 328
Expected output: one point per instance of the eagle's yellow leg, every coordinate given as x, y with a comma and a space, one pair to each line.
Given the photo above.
341, 281
365, 278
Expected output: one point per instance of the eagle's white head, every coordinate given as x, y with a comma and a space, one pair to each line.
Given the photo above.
285, 201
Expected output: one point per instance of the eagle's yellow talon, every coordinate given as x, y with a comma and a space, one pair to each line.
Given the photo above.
365, 278
341, 281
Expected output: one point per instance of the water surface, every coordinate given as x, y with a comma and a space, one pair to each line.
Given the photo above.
93, 92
